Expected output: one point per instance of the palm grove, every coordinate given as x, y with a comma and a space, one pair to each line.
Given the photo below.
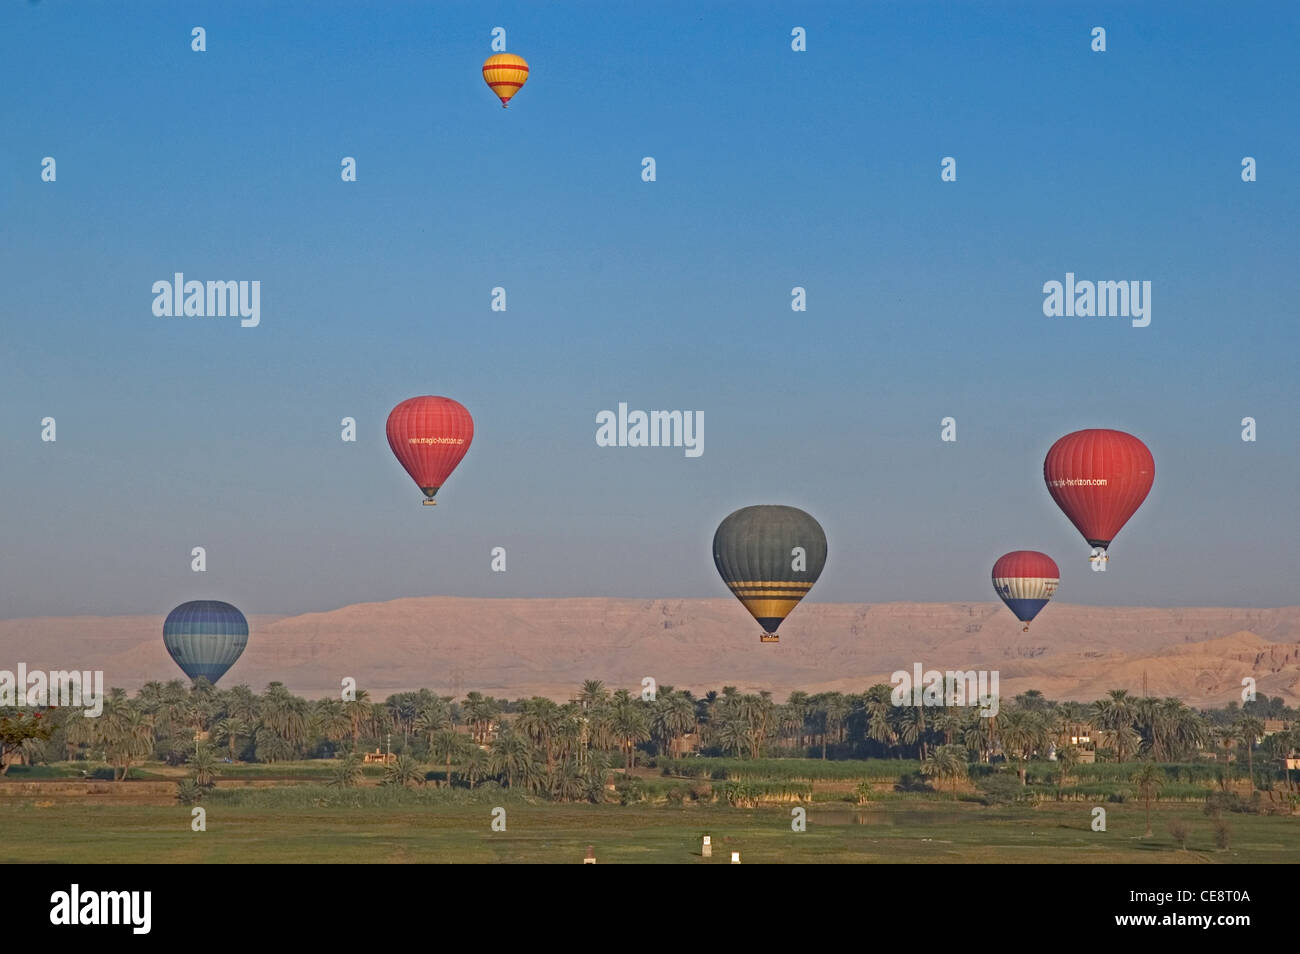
567, 751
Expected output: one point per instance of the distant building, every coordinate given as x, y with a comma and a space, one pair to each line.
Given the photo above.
687, 744
1080, 735
379, 756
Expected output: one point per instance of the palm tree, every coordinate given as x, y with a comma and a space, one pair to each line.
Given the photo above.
912, 728
600, 727
568, 783
593, 694
448, 744
880, 710
756, 712
357, 711
1115, 715
1067, 756
1277, 746
150, 697
433, 717
511, 756
76, 733
330, 720
673, 717
1149, 782
477, 766
1125, 741
950, 720
404, 770
836, 709
241, 703
994, 721
402, 708
380, 720
285, 715
797, 706
203, 766
572, 733
229, 731
1289, 742
128, 737
539, 720
732, 734
1024, 733
947, 761
481, 711
1223, 737
1183, 730
199, 707
347, 774
1248, 731
630, 725
1032, 701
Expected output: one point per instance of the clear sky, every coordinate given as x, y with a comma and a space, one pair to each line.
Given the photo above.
775, 169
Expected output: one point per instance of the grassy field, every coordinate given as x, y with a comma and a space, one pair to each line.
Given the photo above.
73, 812
925, 829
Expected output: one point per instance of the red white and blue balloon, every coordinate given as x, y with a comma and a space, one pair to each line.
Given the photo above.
1026, 580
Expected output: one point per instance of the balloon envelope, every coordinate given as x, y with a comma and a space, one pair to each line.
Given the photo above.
205, 637
1026, 580
769, 556
1099, 477
506, 74
429, 436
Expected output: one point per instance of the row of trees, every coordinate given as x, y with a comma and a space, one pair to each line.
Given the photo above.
548, 746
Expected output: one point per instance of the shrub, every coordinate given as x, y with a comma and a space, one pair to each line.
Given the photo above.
1222, 834
1178, 831
1218, 802
189, 791
629, 790
999, 788
787, 770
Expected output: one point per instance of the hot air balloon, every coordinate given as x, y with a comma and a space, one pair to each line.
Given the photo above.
769, 556
205, 637
1026, 580
1099, 478
429, 435
506, 74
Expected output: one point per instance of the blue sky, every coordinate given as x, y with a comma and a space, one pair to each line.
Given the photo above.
775, 169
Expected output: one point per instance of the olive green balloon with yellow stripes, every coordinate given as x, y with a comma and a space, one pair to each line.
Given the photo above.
769, 556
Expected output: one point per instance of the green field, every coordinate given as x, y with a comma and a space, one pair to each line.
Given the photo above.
903, 829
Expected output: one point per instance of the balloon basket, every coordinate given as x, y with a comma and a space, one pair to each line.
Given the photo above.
429, 503
769, 638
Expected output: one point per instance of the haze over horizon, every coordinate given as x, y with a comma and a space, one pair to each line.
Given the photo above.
508, 646
784, 169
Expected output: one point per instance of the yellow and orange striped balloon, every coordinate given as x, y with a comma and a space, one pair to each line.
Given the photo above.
505, 73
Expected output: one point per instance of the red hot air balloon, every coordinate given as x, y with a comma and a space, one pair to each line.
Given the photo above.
429, 435
1099, 477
